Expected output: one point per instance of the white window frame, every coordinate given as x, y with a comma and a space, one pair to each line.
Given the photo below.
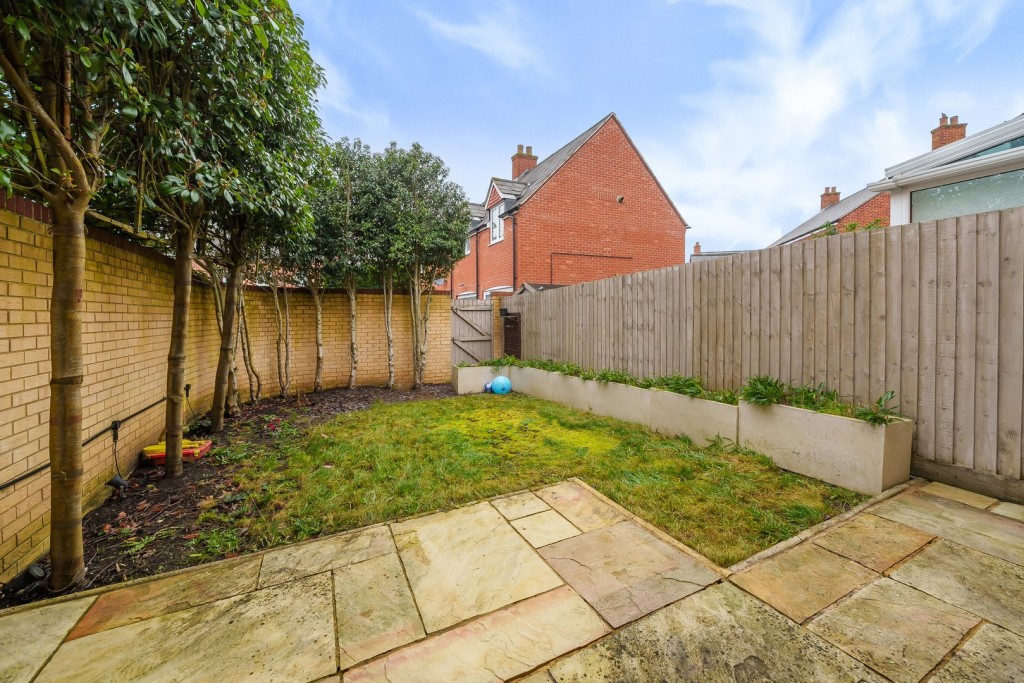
497, 224
493, 290
467, 245
466, 295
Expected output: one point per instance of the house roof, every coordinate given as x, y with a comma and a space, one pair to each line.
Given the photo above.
829, 214
516, 191
476, 211
528, 287
535, 177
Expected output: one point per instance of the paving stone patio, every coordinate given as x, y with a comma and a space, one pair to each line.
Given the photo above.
563, 585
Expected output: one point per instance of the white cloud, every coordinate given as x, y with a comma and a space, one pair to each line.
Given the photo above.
499, 35
814, 101
338, 96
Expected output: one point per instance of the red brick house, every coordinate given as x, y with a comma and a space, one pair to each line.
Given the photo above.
591, 210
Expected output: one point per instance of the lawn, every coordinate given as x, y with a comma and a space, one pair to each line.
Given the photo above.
397, 460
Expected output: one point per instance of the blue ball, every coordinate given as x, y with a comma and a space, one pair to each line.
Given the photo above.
501, 385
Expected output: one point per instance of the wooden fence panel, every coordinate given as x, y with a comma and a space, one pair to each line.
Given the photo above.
931, 311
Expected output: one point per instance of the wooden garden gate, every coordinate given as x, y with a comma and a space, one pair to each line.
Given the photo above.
471, 331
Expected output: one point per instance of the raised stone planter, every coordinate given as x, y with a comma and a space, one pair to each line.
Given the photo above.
702, 420
621, 401
471, 379
569, 391
840, 450
532, 382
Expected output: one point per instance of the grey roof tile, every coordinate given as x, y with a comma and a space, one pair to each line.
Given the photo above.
827, 215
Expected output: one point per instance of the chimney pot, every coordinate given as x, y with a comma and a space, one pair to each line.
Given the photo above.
829, 196
522, 161
949, 130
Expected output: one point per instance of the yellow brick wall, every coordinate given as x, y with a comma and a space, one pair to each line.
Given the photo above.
126, 331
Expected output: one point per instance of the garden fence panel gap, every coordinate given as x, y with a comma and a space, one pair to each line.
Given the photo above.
932, 311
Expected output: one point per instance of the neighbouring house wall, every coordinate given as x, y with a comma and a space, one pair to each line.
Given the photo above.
126, 332
933, 311
574, 230
876, 208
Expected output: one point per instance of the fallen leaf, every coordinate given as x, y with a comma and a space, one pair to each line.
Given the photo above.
189, 537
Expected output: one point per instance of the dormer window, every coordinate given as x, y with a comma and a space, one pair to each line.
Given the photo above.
497, 225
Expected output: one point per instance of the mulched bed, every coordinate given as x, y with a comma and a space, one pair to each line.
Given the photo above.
149, 530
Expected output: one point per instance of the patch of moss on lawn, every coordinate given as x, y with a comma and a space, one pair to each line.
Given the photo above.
397, 460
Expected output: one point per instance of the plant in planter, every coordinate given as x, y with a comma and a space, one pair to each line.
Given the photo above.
763, 390
808, 430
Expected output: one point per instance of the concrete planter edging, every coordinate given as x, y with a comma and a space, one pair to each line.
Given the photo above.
839, 450
471, 379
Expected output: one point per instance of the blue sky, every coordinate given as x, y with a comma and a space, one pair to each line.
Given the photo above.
745, 109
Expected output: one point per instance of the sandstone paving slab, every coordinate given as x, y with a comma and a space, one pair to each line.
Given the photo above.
170, 594
375, 609
27, 639
991, 654
718, 635
898, 631
495, 647
984, 585
978, 529
283, 633
1011, 510
541, 676
580, 506
625, 572
468, 562
803, 580
545, 528
875, 542
519, 505
305, 559
964, 496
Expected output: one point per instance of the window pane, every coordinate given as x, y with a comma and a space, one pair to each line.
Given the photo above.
1009, 144
1000, 191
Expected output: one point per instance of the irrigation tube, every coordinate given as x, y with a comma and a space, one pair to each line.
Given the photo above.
113, 426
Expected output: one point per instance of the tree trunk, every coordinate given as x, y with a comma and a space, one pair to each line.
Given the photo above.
174, 423
389, 292
67, 562
318, 304
287, 339
424, 338
353, 347
415, 304
255, 381
282, 379
221, 384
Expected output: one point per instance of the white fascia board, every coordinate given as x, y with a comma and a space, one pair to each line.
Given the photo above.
996, 135
989, 164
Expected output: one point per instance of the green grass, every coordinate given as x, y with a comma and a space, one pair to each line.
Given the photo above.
402, 459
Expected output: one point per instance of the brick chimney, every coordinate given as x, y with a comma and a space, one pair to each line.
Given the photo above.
696, 248
949, 130
522, 161
829, 197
